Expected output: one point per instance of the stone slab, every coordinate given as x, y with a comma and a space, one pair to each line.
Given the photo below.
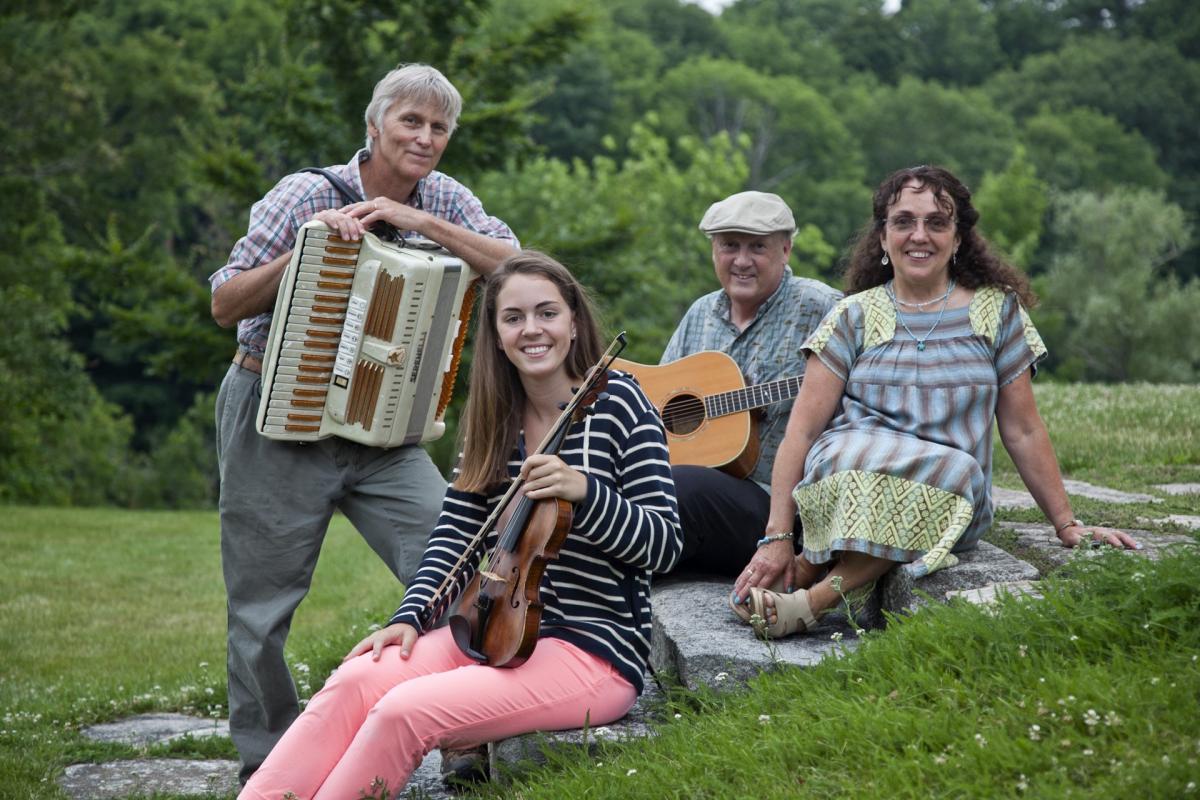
697, 639
1042, 539
1018, 499
508, 756
1183, 519
1189, 521
1012, 499
180, 776
1178, 488
987, 595
1107, 495
144, 730
176, 776
983, 566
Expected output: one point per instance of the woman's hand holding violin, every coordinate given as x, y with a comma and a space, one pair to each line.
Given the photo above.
549, 477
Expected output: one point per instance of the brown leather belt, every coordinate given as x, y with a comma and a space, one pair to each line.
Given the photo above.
247, 361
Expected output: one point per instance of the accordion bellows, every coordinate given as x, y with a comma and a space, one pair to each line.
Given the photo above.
365, 341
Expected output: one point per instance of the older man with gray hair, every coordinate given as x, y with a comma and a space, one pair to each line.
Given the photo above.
277, 498
760, 317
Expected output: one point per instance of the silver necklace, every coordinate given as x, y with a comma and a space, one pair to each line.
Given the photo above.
949, 289
887, 287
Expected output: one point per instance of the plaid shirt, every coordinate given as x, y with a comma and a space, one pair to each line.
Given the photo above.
275, 219
767, 350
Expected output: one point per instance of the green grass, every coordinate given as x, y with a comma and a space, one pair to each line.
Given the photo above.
943, 705
1125, 436
104, 613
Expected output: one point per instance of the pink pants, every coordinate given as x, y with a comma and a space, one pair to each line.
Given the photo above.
378, 719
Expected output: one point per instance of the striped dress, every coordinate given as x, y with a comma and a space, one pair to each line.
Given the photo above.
597, 592
904, 469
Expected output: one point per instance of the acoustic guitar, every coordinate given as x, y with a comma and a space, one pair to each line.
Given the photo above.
705, 406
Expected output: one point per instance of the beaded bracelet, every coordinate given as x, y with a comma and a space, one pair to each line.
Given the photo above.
775, 537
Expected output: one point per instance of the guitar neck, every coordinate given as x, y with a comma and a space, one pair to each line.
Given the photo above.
748, 397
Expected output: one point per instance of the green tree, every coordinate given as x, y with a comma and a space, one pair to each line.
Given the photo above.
1112, 309
60, 441
1079, 148
628, 227
949, 41
796, 145
1012, 204
920, 122
1148, 87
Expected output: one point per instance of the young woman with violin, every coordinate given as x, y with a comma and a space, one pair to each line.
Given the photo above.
408, 688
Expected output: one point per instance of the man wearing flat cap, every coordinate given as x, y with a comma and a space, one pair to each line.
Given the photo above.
760, 317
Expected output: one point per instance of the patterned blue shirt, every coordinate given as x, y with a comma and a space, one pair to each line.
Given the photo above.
275, 219
768, 349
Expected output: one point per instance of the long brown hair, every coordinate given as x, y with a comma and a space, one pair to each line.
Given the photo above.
492, 417
973, 266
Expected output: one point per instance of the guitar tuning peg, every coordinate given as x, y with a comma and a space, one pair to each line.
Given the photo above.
574, 390
562, 406
589, 411
602, 396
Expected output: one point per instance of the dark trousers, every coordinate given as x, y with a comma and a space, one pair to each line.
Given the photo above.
722, 519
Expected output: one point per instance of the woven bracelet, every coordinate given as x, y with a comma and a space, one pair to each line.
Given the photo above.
775, 537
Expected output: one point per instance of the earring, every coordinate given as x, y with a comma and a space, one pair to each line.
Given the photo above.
954, 257
884, 260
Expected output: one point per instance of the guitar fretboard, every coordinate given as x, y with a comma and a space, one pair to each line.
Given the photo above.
756, 396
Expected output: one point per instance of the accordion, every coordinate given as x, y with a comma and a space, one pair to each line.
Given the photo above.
365, 341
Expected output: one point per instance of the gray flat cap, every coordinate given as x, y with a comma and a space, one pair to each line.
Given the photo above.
759, 213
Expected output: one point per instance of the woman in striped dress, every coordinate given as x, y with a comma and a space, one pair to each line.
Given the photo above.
888, 452
407, 689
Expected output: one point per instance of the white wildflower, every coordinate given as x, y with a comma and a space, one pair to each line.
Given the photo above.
721, 677
836, 636
980, 740
631, 773
764, 718
1035, 732
1091, 718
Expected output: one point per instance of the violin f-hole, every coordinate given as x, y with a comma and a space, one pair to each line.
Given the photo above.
514, 601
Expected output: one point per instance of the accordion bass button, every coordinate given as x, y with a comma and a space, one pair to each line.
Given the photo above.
396, 356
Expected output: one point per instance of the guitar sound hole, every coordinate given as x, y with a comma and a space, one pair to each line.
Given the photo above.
683, 414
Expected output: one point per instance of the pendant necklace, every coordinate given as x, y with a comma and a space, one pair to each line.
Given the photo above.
887, 287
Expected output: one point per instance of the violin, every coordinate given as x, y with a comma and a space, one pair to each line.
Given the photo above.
500, 610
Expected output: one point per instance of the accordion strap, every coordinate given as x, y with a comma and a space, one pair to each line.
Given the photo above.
383, 230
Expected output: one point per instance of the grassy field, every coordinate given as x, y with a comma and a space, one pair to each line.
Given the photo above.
1092, 693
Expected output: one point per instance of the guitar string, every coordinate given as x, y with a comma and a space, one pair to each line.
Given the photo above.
694, 409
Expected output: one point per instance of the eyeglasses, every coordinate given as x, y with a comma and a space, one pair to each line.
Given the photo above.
907, 223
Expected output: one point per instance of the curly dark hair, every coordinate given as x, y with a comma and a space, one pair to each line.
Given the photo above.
974, 265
